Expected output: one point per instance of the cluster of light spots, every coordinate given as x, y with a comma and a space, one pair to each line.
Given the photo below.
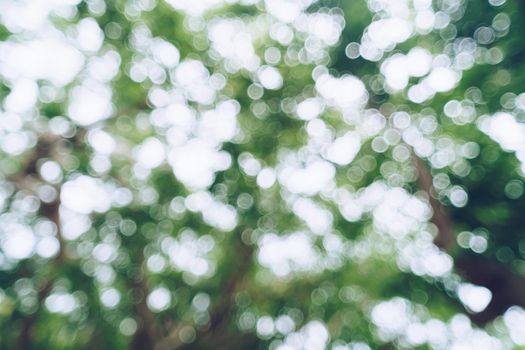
150, 154
318, 219
39, 52
85, 195
477, 241
191, 125
284, 324
392, 317
285, 254
310, 108
165, 53
394, 211
154, 56
442, 151
90, 102
464, 336
177, 117
397, 217
349, 205
423, 258
391, 28
270, 78
103, 145
507, 131
309, 179
13, 139
250, 165
351, 346
320, 135
323, 29
440, 79
27, 15
194, 141
89, 35
424, 147
17, 241
195, 8
368, 123
283, 34
466, 51
104, 274
214, 213
23, 96
345, 92
196, 162
395, 22
312, 336
47, 245
457, 196
105, 252
344, 149
383, 34
232, 41
397, 319
219, 124
51, 59
190, 254
61, 303
194, 153
447, 70
194, 80
461, 112
398, 68
73, 224
104, 67
514, 319
286, 11
315, 32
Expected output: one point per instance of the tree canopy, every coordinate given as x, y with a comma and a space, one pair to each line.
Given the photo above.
262, 174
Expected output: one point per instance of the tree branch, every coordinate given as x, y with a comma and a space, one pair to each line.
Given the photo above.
213, 332
506, 286
445, 238
26, 179
147, 333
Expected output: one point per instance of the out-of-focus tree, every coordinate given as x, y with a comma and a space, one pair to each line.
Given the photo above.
249, 174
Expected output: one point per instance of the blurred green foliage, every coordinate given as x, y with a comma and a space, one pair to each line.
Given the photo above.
358, 263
